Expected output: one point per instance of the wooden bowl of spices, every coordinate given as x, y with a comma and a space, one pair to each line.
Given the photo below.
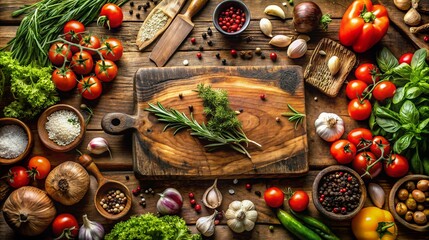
339, 192
61, 128
16, 140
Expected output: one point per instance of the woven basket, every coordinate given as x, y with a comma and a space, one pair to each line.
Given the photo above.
317, 73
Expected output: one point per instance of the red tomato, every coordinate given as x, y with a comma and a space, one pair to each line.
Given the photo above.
359, 109
112, 49
274, 197
384, 90
105, 70
90, 41
365, 71
355, 89
111, 15
82, 63
64, 79
90, 87
343, 151
406, 58
360, 137
39, 167
72, 30
396, 166
65, 222
18, 177
363, 160
299, 201
378, 143
58, 53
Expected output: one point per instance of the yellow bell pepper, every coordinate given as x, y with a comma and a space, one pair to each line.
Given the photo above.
372, 223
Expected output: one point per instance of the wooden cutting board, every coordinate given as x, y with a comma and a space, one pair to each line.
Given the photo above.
162, 155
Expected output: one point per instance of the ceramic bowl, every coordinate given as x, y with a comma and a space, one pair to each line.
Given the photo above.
225, 5
43, 133
318, 205
398, 185
14, 121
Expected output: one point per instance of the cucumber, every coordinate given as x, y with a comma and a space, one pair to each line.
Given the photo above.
295, 227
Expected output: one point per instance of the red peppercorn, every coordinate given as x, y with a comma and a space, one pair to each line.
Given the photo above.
197, 208
426, 38
262, 97
273, 56
248, 186
193, 40
193, 201
321, 199
191, 195
199, 55
349, 179
233, 53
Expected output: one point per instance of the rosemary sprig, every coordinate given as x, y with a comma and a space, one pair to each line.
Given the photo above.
294, 116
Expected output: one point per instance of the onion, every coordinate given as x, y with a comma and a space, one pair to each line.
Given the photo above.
308, 17
171, 202
29, 211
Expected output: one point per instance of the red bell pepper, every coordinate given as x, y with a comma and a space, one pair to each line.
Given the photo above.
363, 25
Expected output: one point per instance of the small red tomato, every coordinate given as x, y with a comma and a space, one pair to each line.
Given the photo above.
39, 167
65, 222
359, 109
299, 201
90, 87
355, 89
72, 30
112, 49
378, 143
273, 56
360, 137
90, 41
365, 159
18, 177
397, 166
64, 79
366, 71
105, 70
343, 151
406, 58
111, 15
384, 90
58, 53
274, 197
82, 63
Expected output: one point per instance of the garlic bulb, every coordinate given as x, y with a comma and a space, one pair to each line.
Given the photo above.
281, 41
212, 197
334, 65
266, 27
402, 4
297, 48
241, 216
206, 225
275, 10
329, 126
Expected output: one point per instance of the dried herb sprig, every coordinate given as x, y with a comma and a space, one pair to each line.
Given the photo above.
294, 116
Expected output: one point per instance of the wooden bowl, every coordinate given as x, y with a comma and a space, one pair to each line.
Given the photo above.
43, 133
14, 121
318, 205
395, 188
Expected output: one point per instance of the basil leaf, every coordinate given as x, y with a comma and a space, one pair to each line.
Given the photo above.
413, 92
384, 112
418, 62
409, 113
388, 125
399, 95
403, 142
416, 163
371, 121
403, 70
424, 124
386, 60
424, 87
424, 112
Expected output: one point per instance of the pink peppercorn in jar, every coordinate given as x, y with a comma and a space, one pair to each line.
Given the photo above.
231, 17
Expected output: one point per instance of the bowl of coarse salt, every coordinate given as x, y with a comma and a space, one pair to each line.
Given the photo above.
61, 128
16, 140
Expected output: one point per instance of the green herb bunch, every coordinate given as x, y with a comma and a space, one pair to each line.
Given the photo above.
222, 128
404, 119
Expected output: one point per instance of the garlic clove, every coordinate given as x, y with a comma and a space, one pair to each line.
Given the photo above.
266, 27
275, 10
206, 225
297, 48
303, 36
280, 41
412, 17
98, 145
212, 197
334, 65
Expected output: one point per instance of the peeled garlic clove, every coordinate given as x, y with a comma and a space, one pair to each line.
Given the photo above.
297, 48
212, 198
206, 225
275, 10
281, 41
334, 65
266, 27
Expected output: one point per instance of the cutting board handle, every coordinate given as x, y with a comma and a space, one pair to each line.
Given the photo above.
194, 7
117, 123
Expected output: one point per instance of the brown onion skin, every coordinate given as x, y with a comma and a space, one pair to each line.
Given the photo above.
306, 17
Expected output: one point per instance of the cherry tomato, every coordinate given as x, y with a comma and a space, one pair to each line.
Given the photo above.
82, 63
363, 160
39, 167
365, 71
396, 166
406, 58
90, 87
90, 41
111, 15
378, 143
274, 197
384, 90
105, 70
64, 79
63, 223
58, 53
359, 109
355, 89
360, 137
299, 201
112, 49
18, 177
73, 33
343, 151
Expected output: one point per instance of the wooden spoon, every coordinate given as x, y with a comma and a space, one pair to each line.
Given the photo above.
104, 186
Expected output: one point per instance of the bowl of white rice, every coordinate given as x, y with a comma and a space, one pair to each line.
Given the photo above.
61, 128
16, 140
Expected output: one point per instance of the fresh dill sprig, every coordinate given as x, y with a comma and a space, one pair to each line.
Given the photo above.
294, 116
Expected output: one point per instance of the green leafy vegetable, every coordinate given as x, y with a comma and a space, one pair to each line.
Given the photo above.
149, 227
31, 87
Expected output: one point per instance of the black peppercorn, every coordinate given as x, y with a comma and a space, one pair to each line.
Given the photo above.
204, 35
224, 61
218, 55
138, 15
262, 56
201, 48
127, 177
148, 4
131, 12
191, 108
132, 4
210, 43
209, 31
258, 193
139, 7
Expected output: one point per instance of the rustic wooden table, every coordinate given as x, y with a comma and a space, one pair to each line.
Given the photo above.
118, 97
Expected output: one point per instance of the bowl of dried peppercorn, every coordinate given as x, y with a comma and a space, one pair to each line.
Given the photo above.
231, 17
339, 192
